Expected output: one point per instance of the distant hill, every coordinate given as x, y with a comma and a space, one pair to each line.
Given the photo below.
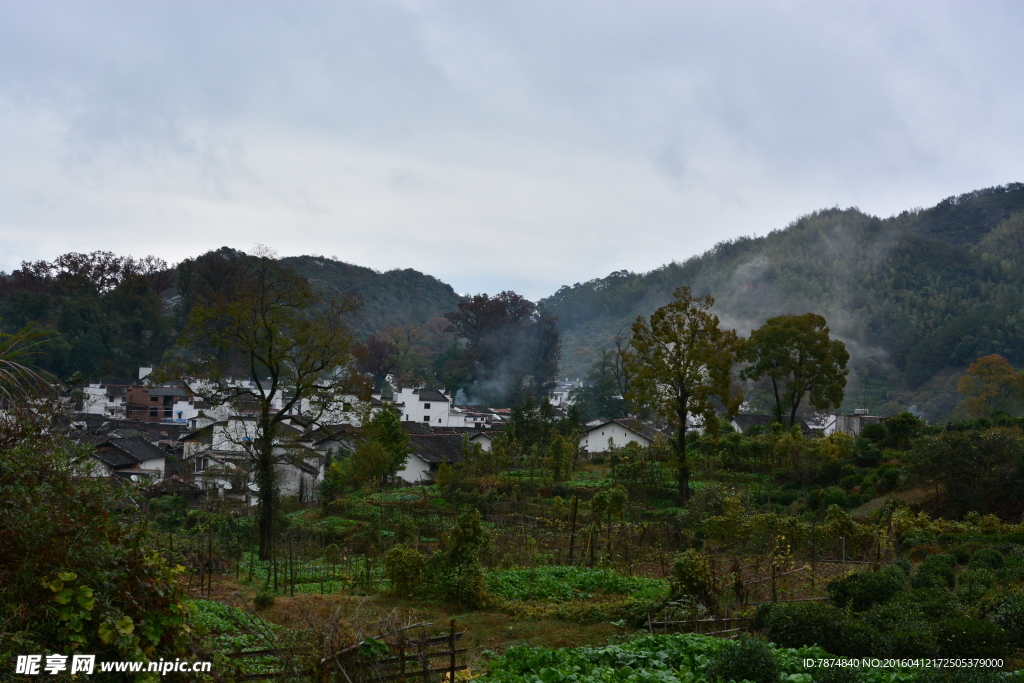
916, 297
392, 298
108, 314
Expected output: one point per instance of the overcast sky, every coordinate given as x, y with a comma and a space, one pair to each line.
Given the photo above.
495, 145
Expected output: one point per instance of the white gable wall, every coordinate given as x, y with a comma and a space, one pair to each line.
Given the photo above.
416, 470
596, 440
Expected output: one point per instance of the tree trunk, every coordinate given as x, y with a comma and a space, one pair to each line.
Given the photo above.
266, 509
683, 464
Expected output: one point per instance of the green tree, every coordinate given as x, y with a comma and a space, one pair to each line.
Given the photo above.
600, 396
463, 571
680, 365
76, 575
512, 347
561, 459
981, 471
386, 449
293, 344
990, 384
104, 311
801, 359
901, 428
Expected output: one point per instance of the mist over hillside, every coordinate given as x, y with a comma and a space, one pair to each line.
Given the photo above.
916, 297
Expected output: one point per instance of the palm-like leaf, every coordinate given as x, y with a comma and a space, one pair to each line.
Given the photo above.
19, 380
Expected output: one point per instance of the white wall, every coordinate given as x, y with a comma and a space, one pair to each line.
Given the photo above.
415, 410
415, 470
596, 441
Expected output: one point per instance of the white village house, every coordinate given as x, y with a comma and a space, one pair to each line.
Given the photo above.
429, 451
605, 432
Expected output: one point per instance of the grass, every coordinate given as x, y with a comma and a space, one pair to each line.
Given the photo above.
564, 583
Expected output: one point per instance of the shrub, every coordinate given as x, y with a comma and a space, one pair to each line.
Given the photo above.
934, 603
746, 659
973, 584
904, 630
403, 568
967, 637
460, 570
935, 572
1009, 615
834, 495
798, 624
874, 432
888, 477
76, 572
961, 552
691, 575
987, 558
862, 591
921, 551
263, 599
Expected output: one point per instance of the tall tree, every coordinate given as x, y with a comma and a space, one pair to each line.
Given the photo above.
802, 361
990, 384
104, 311
293, 344
600, 396
378, 357
512, 347
680, 364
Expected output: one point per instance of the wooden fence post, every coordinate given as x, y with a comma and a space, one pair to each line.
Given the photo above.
451, 645
401, 654
572, 533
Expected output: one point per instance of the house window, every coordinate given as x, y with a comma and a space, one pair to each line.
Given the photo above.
438, 420
152, 412
154, 398
426, 418
200, 464
426, 406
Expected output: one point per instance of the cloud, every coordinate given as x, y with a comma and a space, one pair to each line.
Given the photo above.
499, 145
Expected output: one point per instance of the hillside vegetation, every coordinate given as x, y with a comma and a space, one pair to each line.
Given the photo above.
916, 297
109, 314
390, 299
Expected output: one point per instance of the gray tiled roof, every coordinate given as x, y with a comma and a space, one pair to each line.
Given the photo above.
437, 448
632, 424
136, 447
745, 422
432, 395
115, 458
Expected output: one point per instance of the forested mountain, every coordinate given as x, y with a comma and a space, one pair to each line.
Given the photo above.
916, 297
391, 299
110, 314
